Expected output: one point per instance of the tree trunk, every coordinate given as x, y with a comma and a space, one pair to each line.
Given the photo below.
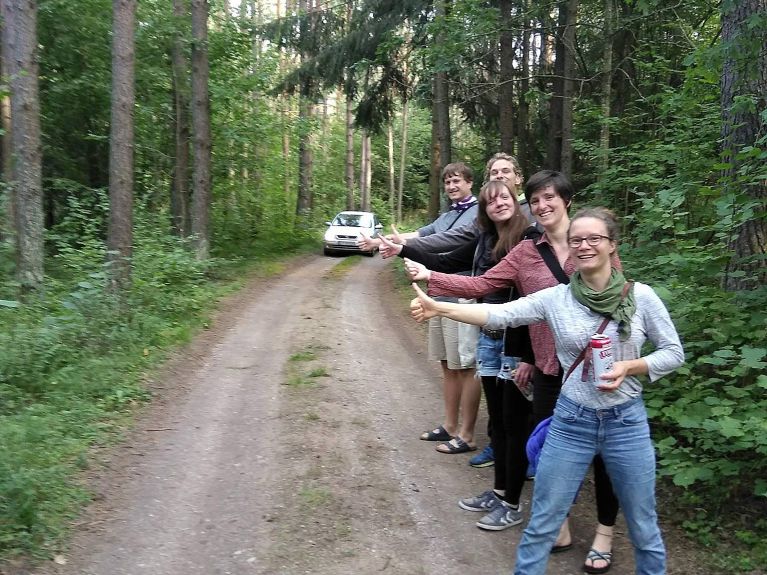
435, 171
523, 131
368, 171
440, 126
349, 154
554, 154
568, 93
626, 37
8, 228
121, 142
20, 47
744, 77
364, 169
201, 190
442, 109
607, 75
179, 203
402, 160
285, 113
392, 185
506, 79
305, 156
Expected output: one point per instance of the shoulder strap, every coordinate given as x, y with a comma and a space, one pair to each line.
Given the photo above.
531, 233
458, 217
551, 260
600, 329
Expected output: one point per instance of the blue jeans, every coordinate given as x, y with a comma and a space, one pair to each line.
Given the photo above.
490, 359
622, 436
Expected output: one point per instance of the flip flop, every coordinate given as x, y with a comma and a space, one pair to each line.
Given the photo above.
438, 434
455, 445
561, 548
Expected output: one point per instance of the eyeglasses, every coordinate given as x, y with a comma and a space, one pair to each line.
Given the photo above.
592, 240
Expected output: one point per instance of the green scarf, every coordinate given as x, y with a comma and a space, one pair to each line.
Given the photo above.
607, 302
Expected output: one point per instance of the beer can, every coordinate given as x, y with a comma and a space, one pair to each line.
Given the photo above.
601, 356
526, 391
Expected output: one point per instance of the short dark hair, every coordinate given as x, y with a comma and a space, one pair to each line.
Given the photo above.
458, 169
550, 178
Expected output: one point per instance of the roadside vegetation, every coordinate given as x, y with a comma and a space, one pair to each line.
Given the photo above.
74, 364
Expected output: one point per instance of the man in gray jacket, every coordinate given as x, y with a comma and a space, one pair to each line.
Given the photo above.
451, 343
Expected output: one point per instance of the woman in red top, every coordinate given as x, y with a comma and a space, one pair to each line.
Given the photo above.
549, 196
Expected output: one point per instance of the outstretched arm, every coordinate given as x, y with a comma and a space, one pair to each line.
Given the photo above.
458, 260
423, 307
447, 240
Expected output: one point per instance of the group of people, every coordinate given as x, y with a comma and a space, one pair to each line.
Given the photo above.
561, 277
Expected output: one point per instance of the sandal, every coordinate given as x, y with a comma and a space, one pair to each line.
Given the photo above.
594, 555
455, 445
561, 548
438, 434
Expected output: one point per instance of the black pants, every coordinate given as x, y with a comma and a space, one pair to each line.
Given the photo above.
545, 393
509, 413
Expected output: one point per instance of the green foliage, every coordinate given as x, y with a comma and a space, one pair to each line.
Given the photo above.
71, 365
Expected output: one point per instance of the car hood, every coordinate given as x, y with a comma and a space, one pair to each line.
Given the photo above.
346, 230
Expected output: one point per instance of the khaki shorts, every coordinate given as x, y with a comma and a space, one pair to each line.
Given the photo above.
454, 342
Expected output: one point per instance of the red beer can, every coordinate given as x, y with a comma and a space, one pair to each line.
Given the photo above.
601, 356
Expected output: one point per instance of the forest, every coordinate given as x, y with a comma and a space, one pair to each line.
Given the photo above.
154, 151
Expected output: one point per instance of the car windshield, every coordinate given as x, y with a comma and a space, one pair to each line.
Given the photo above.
351, 220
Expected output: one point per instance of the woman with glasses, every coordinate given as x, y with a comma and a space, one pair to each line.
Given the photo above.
531, 266
596, 413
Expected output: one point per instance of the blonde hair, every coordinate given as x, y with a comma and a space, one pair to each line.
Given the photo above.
503, 156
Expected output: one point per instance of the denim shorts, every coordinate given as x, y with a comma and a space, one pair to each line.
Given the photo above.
490, 359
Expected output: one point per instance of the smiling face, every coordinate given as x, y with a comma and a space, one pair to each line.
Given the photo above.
548, 207
457, 187
500, 205
587, 257
503, 170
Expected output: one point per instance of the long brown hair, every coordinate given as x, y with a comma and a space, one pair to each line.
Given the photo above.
511, 232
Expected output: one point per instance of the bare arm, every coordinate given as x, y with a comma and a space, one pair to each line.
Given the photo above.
423, 307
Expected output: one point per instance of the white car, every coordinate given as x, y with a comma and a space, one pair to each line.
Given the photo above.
346, 228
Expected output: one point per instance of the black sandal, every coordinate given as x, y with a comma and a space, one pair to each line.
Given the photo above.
438, 434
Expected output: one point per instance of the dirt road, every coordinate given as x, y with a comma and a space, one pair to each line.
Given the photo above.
285, 441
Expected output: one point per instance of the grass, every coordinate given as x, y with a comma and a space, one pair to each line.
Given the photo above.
343, 267
306, 355
298, 375
73, 361
315, 497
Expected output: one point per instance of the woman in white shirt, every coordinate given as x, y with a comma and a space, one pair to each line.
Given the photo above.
595, 413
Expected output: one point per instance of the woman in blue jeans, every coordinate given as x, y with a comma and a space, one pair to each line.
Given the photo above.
595, 413
502, 225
